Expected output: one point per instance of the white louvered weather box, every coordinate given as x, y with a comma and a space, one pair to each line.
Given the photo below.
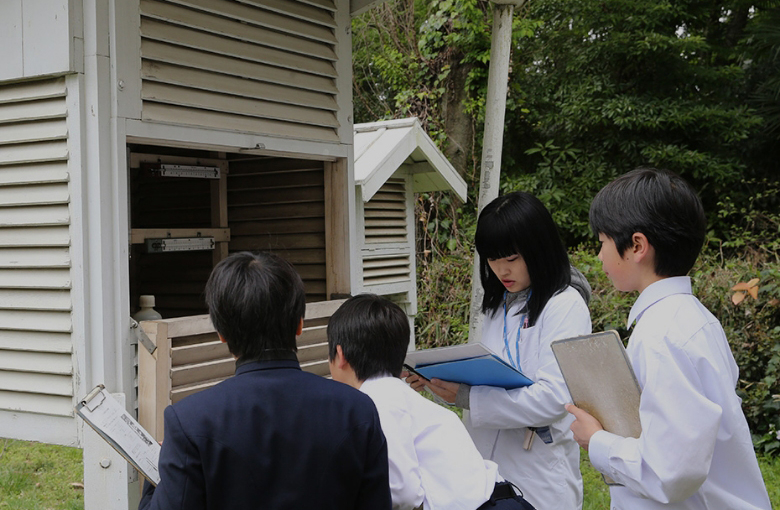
394, 160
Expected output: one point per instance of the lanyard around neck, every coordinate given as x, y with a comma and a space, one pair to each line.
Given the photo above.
522, 325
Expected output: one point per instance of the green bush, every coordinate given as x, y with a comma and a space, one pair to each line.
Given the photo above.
753, 330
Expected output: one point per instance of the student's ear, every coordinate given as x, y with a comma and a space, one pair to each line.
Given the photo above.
640, 246
340, 360
300, 328
221, 338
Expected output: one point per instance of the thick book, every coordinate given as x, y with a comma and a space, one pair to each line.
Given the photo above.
472, 364
113, 423
601, 381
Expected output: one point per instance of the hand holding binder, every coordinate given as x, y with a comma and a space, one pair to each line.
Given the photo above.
472, 364
601, 381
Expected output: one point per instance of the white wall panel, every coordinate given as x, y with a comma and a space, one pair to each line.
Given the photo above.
263, 67
36, 38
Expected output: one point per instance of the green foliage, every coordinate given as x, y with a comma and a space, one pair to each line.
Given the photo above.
444, 266
617, 84
558, 168
598, 88
36, 476
410, 56
403, 54
762, 55
755, 221
753, 330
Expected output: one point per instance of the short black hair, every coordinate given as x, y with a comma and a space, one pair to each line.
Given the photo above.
256, 302
659, 204
519, 223
373, 333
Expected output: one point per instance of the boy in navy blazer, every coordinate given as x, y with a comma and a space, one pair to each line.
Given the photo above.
273, 436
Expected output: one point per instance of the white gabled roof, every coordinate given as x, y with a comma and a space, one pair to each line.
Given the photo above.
381, 148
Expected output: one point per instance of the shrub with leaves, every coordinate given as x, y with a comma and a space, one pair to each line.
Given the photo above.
753, 329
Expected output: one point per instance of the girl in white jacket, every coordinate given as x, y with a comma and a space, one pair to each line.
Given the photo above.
532, 297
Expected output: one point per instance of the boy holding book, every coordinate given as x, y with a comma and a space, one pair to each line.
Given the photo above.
432, 460
695, 449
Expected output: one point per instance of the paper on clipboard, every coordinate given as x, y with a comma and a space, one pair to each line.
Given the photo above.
113, 423
601, 381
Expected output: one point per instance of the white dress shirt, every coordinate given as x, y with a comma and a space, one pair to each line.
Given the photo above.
432, 458
695, 450
548, 474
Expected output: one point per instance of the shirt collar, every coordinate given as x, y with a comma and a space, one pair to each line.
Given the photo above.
251, 365
657, 291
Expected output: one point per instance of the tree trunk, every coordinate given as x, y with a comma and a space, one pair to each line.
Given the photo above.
458, 124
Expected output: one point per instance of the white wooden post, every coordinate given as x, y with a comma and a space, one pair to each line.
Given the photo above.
100, 222
108, 471
493, 137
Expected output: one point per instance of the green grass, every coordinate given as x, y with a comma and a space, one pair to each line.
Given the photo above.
770, 467
35, 476
597, 492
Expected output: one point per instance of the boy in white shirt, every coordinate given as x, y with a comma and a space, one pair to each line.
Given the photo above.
433, 461
695, 449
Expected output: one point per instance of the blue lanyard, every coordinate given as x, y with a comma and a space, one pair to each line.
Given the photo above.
522, 325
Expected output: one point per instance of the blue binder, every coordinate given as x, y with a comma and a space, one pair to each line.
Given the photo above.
472, 364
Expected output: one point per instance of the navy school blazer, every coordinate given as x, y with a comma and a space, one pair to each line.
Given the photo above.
272, 437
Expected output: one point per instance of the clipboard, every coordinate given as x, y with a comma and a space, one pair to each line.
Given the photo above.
600, 379
113, 423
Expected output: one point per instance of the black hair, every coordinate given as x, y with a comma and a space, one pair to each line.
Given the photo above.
659, 204
518, 223
256, 302
373, 333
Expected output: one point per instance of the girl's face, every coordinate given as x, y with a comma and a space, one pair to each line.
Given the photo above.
512, 272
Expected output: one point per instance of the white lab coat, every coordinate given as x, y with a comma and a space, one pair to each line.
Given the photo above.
432, 459
548, 474
695, 450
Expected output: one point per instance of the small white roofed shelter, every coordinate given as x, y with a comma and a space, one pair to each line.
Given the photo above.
394, 159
